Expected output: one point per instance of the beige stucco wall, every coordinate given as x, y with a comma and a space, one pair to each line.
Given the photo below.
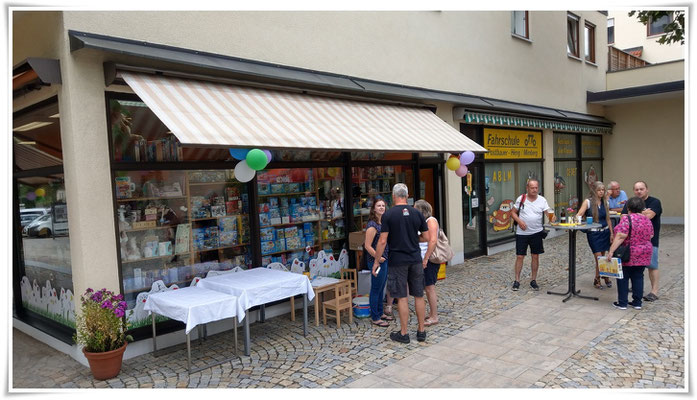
459, 51
629, 33
649, 75
648, 144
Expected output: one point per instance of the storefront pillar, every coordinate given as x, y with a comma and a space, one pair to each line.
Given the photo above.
88, 179
548, 165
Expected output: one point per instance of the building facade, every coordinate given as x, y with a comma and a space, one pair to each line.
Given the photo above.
146, 205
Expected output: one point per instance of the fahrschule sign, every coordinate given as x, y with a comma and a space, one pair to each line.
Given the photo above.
507, 143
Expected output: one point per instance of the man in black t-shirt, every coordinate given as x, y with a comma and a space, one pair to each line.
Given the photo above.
400, 227
653, 211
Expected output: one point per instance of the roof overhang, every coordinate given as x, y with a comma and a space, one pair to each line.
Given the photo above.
638, 93
33, 73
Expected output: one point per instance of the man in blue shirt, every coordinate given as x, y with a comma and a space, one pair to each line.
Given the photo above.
617, 198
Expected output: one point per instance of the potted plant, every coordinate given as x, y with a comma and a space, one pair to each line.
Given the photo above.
101, 330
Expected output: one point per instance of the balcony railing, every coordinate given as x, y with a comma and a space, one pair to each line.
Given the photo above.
618, 60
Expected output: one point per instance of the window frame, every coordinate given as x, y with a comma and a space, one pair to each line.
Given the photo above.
526, 17
576, 21
589, 42
670, 17
609, 20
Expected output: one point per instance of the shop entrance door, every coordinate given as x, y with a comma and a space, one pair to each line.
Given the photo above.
430, 189
474, 212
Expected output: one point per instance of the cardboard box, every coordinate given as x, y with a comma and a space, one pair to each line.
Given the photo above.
356, 240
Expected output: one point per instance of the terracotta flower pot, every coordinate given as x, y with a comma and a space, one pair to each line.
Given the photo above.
105, 365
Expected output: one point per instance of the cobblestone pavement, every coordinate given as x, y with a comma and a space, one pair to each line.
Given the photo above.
643, 350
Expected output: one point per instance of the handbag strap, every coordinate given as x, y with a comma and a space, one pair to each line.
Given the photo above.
629, 233
522, 202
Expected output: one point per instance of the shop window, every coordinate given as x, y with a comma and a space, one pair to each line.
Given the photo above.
371, 183
657, 26
589, 41
565, 145
519, 23
572, 22
504, 182
305, 155
611, 31
47, 281
591, 146
301, 212
176, 226
36, 138
566, 177
592, 172
379, 155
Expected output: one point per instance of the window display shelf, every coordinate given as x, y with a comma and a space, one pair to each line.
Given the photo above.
221, 248
151, 258
150, 198
333, 240
150, 228
286, 194
287, 251
222, 216
210, 183
289, 223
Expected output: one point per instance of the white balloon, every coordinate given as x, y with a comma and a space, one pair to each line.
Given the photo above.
243, 173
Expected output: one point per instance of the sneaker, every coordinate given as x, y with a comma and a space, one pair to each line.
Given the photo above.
650, 297
534, 286
421, 336
618, 306
398, 337
633, 306
516, 285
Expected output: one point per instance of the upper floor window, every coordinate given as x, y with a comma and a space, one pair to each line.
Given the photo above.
589, 39
611, 31
572, 34
519, 23
657, 26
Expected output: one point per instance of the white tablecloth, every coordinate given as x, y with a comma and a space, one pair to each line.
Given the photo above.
323, 281
194, 305
259, 286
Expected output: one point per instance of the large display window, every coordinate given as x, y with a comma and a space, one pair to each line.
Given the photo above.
577, 165
370, 183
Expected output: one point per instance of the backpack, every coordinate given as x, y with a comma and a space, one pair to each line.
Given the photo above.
443, 252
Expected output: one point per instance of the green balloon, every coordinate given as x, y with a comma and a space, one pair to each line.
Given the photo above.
256, 159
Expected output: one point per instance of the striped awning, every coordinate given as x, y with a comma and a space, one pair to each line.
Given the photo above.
524, 122
202, 113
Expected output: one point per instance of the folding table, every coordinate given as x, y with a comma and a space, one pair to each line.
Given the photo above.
259, 286
193, 306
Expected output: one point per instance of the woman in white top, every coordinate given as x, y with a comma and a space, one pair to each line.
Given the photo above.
430, 269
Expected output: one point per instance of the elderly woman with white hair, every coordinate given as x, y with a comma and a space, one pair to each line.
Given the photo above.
430, 269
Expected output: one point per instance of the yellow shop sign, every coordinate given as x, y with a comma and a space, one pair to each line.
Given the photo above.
505, 143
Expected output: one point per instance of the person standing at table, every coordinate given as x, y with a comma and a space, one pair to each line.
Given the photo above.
640, 252
616, 198
431, 269
400, 227
653, 212
529, 215
377, 282
596, 206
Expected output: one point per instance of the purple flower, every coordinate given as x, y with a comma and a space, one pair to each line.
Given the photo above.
119, 312
107, 304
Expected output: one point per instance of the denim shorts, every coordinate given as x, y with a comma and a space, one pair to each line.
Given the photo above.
431, 274
654, 259
399, 277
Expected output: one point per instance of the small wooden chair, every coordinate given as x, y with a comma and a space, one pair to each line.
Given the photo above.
342, 301
350, 275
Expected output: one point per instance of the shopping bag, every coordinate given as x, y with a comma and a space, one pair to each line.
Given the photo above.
610, 269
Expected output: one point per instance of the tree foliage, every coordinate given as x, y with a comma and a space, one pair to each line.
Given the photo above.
674, 30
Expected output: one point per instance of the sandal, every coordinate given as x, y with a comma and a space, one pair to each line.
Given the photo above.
608, 283
380, 323
429, 322
596, 283
386, 317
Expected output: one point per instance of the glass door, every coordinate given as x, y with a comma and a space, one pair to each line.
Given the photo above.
474, 212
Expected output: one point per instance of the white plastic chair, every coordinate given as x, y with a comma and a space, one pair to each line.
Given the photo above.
277, 266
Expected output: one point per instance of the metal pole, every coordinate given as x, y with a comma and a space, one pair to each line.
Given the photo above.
188, 352
246, 333
154, 335
235, 321
304, 314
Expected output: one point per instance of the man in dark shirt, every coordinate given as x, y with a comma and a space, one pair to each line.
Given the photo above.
400, 227
653, 211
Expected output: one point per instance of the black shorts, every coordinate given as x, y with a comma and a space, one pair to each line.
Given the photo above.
401, 276
534, 241
431, 274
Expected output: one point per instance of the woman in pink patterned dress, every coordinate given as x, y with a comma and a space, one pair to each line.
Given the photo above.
640, 250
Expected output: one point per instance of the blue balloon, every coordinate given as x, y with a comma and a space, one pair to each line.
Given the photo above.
239, 154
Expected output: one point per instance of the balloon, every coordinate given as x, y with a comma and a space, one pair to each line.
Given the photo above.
268, 155
453, 163
462, 171
40, 192
256, 159
243, 173
31, 196
239, 154
467, 157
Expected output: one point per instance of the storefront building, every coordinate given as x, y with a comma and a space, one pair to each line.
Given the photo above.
114, 125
